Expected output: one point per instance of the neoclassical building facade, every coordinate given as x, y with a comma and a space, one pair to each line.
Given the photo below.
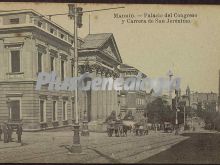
30, 44
100, 57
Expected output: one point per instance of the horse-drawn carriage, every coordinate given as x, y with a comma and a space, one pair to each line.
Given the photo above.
140, 129
168, 127
121, 127
117, 127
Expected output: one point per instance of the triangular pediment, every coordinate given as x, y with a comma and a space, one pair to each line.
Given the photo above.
111, 49
105, 43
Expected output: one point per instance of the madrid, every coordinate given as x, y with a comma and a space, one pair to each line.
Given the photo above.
117, 15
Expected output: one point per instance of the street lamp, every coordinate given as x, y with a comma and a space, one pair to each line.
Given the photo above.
170, 74
177, 110
85, 128
76, 14
184, 104
73, 14
119, 107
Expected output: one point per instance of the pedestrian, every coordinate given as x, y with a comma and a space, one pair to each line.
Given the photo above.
0, 133
10, 131
145, 124
120, 116
177, 130
5, 132
19, 132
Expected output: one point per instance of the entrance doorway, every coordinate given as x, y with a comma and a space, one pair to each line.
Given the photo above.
14, 110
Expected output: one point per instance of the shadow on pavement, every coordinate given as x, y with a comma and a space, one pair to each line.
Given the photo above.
198, 148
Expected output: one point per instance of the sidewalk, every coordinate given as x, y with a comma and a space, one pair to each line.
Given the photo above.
9, 145
52, 147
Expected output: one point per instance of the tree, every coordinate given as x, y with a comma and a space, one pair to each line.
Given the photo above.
158, 111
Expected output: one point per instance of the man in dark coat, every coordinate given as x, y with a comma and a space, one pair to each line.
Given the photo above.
5, 132
19, 132
0, 133
10, 131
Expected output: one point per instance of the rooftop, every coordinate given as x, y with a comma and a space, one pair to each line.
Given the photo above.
92, 41
36, 14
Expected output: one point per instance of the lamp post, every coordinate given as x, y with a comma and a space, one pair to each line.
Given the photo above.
184, 119
176, 108
76, 14
170, 74
119, 108
184, 103
85, 128
76, 146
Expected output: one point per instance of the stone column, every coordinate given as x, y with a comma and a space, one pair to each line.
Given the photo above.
93, 105
4, 60
104, 104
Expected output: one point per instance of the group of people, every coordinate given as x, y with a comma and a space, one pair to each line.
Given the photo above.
140, 122
7, 131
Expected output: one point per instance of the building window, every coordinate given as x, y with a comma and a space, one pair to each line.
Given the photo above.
51, 30
52, 63
42, 111
14, 21
40, 55
64, 110
62, 36
15, 61
137, 101
15, 110
39, 24
54, 111
62, 70
72, 42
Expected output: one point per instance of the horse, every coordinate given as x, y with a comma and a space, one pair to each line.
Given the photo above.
128, 125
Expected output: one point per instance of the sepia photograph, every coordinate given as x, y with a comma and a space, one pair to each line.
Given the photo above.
95, 83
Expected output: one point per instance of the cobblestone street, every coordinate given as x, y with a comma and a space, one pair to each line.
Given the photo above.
52, 146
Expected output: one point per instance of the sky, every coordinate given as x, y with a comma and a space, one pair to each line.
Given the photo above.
191, 51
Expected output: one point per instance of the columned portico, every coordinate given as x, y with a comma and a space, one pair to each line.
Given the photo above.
100, 59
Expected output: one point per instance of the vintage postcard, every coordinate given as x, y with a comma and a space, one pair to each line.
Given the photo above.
109, 83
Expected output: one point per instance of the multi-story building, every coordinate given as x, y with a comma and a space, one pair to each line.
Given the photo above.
132, 100
29, 44
205, 100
